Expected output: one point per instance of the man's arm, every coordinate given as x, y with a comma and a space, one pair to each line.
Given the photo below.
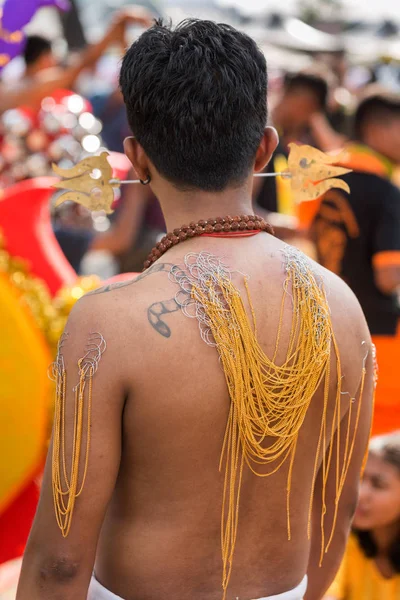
54, 566
386, 248
115, 35
353, 356
32, 92
387, 272
326, 137
337, 590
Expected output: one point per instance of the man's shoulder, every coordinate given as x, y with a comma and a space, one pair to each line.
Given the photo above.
351, 335
343, 304
340, 296
335, 287
131, 279
110, 305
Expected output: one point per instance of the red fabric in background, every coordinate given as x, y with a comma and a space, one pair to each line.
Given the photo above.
26, 228
16, 522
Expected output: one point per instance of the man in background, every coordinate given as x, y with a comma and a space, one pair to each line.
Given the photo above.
358, 237
44, 75
304, 94
38, 55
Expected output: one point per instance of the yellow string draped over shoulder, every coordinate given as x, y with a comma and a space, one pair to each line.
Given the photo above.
68, 477
268, 400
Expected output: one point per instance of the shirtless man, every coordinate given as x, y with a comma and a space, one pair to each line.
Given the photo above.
148, 521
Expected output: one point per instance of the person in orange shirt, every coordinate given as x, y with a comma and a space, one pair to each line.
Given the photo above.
357, 236
371, 567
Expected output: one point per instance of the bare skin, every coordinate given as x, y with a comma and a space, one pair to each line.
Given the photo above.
148, 520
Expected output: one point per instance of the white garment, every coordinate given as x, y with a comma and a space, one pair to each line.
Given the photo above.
99, 592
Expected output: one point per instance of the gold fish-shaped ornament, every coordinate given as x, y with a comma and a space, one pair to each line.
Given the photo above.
88, 183
313, 172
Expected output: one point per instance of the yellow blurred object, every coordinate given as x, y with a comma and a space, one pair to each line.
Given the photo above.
68, 295
33, 295
396, 177
31, 324
283, 187
26, 393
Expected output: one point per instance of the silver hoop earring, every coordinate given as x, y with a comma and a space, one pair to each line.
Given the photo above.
146, 181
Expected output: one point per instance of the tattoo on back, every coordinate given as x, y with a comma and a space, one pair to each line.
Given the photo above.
156, 312
159, 268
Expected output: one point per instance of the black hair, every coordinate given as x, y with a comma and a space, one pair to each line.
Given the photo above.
35, 47
196, 100
375, 108
388, 448
314, 83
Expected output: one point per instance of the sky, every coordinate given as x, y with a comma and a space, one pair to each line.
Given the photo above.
373, 8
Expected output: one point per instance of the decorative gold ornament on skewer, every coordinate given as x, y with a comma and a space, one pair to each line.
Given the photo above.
90, 182
312, 172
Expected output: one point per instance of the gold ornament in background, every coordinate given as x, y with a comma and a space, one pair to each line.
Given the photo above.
33, 293
66, 297
312, 172
88, 183
50, 315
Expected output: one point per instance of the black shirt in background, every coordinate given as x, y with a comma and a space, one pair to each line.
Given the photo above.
74, 243
267, 196
349, 230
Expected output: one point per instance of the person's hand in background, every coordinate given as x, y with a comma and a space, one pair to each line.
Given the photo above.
132, 15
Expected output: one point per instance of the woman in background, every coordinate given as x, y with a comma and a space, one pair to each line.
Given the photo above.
371, 567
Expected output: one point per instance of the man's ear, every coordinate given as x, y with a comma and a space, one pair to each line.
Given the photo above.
138, 157
266, 148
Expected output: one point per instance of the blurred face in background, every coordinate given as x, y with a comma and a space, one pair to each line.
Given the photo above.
293, 111
45, 61
379, 501
385, 138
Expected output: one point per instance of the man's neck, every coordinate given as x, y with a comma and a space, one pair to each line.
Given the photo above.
181, 208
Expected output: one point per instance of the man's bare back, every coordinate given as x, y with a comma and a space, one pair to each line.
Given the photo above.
160, 439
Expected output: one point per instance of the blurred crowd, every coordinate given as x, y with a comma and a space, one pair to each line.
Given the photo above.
49, 114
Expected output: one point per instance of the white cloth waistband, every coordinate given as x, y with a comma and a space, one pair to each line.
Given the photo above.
99, 592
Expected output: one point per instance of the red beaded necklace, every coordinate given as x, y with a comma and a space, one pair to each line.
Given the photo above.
220, 226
